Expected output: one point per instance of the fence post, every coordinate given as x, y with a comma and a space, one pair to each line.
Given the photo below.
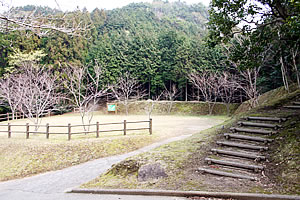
23, 116
7, 116
69, 131
150, 126
97, 129
49, 114
47, 130
124, 127
27, 130
9, 130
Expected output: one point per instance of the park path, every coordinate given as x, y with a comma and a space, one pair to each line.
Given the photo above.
52, 185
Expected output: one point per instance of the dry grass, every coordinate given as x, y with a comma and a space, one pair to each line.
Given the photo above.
20, 157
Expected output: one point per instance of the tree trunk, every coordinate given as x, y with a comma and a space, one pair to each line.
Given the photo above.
284, 75
294, 55
13, 114
210, 107
126, 107
170, 107
227, 108
149, 88
186, 90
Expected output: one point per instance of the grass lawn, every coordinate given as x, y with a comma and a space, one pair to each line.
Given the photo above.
20, 157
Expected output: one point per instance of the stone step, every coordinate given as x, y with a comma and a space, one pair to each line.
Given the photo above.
239, 154
292, 107
255, 168
261, 125
227, 174
296, 103
243, 146
272, 119
246, 137
257, 131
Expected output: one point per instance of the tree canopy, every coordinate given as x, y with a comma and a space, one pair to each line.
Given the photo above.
259, 33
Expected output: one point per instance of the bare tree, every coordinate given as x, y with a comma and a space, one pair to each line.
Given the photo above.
85, 90
230, 85
39, 87
249, 85
170, 95
11, 20
208, 84
249, 76
9, 87
32, 91
150, 105
127, 89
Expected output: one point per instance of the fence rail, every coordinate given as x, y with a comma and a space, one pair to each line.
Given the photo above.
19, 115
68, 129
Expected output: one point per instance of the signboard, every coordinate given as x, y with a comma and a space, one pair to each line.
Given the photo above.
111, 108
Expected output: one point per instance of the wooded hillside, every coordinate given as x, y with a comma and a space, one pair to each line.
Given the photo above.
173, 51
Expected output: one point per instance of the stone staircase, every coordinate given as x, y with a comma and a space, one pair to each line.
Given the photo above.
241, 153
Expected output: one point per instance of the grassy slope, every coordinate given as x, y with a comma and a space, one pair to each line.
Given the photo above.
284, 166
180, 159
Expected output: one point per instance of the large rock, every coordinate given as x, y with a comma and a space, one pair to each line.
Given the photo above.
151, 171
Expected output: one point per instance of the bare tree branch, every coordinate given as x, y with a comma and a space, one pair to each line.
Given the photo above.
32, 92
127, 88
209, 85
170, 95
230, 85
40, 24
85, 90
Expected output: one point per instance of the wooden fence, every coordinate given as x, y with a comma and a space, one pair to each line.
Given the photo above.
18, 115
69, 127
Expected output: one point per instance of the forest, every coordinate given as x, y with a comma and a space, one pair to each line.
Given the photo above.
229, 52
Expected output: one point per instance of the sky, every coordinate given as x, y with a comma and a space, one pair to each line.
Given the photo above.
69, 5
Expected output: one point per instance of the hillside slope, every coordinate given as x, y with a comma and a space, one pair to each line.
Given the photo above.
181, 160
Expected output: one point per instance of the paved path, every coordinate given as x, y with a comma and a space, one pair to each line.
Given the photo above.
52, 185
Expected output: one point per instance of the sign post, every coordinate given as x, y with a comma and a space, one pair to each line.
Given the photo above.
112, 108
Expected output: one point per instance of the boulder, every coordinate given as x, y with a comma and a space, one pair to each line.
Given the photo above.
151, 171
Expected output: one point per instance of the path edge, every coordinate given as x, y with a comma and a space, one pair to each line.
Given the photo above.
239, 196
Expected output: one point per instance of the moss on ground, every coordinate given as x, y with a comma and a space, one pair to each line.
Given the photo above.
285, 157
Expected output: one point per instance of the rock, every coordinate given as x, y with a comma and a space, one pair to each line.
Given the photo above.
151, 171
